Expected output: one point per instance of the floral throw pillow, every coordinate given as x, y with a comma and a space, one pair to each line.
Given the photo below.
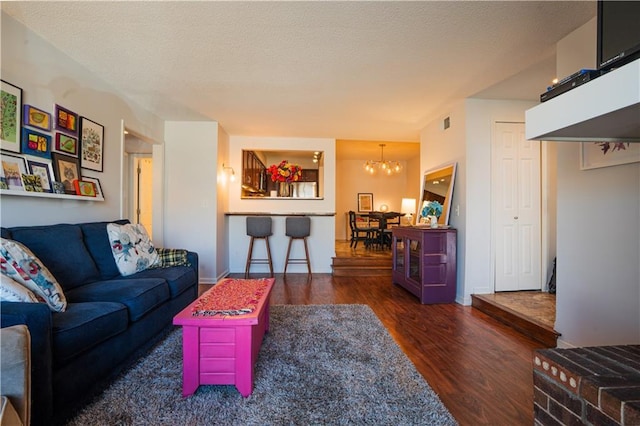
132, 249
13, 291
21, 265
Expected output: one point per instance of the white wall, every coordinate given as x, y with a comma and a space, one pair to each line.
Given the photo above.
322, 240
598, 273
191, 185
437, 147
47, 77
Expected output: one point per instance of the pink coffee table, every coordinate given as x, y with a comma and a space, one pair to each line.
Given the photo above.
222, 349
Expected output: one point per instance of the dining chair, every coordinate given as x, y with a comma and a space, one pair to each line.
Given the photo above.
360, 233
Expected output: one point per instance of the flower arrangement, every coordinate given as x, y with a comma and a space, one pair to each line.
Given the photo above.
432, 208
285, 172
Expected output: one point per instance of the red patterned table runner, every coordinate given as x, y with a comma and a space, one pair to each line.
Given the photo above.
233, 296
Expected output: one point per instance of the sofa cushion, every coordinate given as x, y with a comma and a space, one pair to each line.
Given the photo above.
19, 263
179, 278
13, 291
97, 242
132, 248
61, 248
139, 295
85, 325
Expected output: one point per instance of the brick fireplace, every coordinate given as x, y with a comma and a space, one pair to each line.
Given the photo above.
587, 386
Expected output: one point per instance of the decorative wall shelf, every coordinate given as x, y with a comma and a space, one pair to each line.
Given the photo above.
5, 192
607, 108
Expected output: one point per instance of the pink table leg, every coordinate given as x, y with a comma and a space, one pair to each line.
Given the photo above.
190, 360
244, 364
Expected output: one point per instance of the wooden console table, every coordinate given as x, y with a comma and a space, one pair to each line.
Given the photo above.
424, 262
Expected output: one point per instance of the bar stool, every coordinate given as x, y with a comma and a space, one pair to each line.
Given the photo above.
258, 227
298, 228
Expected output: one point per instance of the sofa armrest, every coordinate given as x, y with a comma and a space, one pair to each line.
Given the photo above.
15, 375
37, 318
192, 257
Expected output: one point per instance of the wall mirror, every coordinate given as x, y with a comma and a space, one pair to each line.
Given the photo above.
437, 185
257, 183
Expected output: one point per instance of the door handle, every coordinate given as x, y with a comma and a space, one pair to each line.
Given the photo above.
515, 217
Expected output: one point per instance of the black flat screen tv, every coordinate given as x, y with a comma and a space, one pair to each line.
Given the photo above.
618, 33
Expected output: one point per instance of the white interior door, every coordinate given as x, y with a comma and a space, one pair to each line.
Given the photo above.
516, 209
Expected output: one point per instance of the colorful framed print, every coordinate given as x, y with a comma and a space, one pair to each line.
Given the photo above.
96, 184
66, 121
44, 171
32, 183
91, 144
36, 143
13, 167
11, 116
84, 188
37, 118
66, 169
66, 144
604, 154
365, 202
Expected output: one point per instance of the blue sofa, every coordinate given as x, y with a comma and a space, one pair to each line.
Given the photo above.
110, 320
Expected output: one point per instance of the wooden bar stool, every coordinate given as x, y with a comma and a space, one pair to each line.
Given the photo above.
298, 228
259, 227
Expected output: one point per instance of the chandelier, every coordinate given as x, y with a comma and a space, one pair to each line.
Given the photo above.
387, 167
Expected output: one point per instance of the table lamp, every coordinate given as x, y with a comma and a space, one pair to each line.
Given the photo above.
408, 207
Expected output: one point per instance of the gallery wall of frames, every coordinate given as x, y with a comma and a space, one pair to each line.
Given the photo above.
45, 150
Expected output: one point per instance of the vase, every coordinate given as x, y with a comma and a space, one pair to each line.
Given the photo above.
285, 189
433, 221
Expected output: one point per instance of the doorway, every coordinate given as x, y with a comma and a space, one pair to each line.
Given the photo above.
516, 189
138, 180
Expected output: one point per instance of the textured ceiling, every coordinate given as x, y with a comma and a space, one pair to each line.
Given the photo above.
348, 70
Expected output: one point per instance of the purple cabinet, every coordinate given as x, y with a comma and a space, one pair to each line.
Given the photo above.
424, 262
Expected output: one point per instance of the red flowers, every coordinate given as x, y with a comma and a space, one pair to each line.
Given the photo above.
285, 172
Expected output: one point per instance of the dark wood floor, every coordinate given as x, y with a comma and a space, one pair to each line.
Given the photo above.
480, 368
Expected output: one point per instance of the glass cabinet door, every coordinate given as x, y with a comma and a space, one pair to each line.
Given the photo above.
415, 258
398, 254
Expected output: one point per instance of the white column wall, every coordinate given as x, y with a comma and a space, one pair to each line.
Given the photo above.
190, 196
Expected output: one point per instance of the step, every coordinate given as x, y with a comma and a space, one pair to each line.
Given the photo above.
520, 322
351, 271
361, 266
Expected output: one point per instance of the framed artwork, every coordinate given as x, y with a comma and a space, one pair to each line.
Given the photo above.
66, 144
38, 118
66, 169
66, 121
85, 188
91, 144
365, 202
604, 154
13, 167
36, 143
96, 184
32, 183
44, 171
11, 116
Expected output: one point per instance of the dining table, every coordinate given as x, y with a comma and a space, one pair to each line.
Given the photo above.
383, 237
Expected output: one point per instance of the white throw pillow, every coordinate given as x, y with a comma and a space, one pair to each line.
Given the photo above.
13, 291
21, 265
132, 249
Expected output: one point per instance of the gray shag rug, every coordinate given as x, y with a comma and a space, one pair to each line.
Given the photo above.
318, 365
